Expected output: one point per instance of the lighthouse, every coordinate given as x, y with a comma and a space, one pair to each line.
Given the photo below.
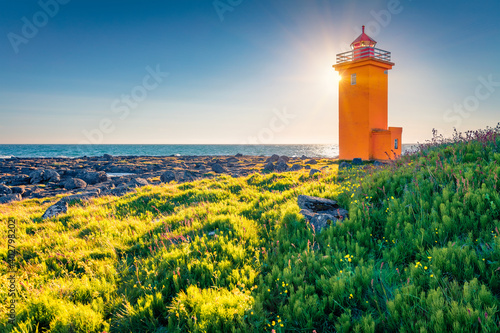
363, 95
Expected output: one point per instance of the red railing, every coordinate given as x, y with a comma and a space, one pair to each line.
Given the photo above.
362, 53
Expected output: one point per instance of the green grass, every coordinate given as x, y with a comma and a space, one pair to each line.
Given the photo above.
420, 252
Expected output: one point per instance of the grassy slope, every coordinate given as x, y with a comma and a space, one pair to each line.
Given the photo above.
419, 253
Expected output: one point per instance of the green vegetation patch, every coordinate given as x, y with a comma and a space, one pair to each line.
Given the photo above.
420, 252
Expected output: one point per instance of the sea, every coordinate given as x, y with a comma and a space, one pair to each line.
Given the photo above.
74, 151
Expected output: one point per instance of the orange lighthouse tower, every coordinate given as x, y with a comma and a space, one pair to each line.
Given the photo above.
363, 129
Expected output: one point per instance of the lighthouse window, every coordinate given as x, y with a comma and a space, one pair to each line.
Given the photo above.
396, 144
353, 78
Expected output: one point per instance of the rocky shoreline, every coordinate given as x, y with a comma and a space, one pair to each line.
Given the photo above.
26, 178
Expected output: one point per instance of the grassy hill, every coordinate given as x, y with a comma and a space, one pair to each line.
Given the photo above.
420, 252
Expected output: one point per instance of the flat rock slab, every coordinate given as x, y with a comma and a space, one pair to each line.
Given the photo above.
10, 198
61, 207
319, 221
316, 204
320, 212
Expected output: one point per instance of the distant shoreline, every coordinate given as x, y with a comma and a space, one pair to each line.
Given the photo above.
77, 151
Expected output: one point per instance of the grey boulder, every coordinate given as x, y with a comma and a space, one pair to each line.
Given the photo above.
295, 167
18, 189
44, 175
168, 176
345, 165
314, 171
321, 212
273, 158
357, 161
217, 168
316, 204
10, 198
120, 190
4, 190
138, 182
281, 166
321, 221
93, 178
284, 158
74, 183
269, 166
60, 207
17, 180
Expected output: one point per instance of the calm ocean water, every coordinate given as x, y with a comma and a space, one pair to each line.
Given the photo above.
7, 151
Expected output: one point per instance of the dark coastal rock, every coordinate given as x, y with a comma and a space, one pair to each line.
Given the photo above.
218, 168
93, 178
116, 181
51, 176
189, 176
238, 155
273, 159
74, 183
107, 157
316, 204
63, 172
16, 180
120, 191
269, 167
357, 161
168, 176
4, 190
18, 189
44, 175
308, 167
70, 173
138, 182
307, 214
295, 167
82, 196
281, 166
120, 169
55, 172
60, 207
27, 192
103, 187
36, 177
321, 221
199, 166
321, 212
313, 171
284, 158
312, 161
303, 157
8, 198
345, 165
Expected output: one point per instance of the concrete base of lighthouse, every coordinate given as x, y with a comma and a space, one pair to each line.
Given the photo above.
386, 144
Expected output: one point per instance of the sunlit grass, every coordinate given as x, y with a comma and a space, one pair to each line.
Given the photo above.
420, 252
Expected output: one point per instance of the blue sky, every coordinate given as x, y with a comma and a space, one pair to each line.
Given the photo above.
239, 71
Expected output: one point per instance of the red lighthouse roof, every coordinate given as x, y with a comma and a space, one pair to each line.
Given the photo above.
363, 41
